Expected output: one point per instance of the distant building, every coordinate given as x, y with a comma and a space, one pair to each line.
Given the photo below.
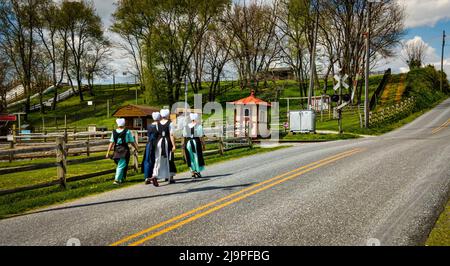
281, 73
137, 117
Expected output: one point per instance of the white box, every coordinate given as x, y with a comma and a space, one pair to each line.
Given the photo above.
302, 121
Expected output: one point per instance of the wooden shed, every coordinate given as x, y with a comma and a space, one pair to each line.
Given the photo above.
137, 117
248, 116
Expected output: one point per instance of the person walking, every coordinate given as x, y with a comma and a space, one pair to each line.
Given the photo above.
148, 162
120, 139
194, 145
165, 149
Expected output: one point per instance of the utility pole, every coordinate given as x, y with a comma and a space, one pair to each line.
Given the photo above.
442, 61
313, 62
185, 100
366, 87
340, 110
114, 86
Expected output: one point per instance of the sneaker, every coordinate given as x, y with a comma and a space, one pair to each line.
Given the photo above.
116, 183
148, 181
172, 181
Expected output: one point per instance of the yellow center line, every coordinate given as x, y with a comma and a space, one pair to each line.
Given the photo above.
199, 215
436, 130
126, 239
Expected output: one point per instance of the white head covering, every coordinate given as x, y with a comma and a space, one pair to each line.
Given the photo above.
194, 116
165, 113
120, 122
156, 116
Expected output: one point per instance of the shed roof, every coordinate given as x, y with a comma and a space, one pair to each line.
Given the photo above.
133, 110
251, 100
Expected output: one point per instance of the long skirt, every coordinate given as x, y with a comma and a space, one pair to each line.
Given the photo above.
122, 168
195, 163
164, 166
148, 161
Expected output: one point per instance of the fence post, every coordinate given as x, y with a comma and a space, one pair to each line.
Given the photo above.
75, 134
135, 160
65, 136
221, 148
135, 154
250, 142
45, 135
61, 161
87, 148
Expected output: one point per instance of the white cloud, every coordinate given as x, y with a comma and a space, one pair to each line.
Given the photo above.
425, 12
398, 64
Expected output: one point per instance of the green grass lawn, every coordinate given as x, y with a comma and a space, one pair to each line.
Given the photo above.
24, 201
319, 137
440, 236
79, 114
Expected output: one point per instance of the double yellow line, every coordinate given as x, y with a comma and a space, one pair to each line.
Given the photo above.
438, 129
230, 199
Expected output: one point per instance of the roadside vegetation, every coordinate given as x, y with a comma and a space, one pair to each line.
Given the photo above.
440, 236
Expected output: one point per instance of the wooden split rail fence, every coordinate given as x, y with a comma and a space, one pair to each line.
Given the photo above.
61, 151
392, 113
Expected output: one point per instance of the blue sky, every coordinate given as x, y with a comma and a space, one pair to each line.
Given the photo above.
425, 21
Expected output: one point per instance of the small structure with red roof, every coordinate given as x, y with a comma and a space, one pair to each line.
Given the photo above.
250, 114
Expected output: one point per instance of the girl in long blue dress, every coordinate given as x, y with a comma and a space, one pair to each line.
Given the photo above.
148, 162
194, 146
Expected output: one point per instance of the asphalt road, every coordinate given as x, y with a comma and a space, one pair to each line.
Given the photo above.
388, 189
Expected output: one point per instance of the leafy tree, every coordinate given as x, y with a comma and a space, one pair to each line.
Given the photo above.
18, 41
84, 27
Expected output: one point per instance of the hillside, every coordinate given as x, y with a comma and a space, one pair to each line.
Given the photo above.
418, 83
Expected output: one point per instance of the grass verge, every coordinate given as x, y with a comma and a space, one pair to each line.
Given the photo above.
440, 235
319, 137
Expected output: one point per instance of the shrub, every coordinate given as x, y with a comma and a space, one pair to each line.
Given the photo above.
424, 85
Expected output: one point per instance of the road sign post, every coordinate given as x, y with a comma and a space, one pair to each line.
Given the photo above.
341, 82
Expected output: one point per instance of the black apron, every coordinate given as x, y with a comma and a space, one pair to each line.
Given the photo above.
121, 151
163, 136
198, 143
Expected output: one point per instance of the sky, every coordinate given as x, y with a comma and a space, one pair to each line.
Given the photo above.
425, 21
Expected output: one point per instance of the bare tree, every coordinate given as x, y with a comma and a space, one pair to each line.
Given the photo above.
256, 44
293, 25
53, 38
345, 20
218, 54
414, 52
96, 62
40, 73
6, 80
199, 58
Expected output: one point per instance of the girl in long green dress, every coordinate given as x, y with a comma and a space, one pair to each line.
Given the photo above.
194, 146
120, 139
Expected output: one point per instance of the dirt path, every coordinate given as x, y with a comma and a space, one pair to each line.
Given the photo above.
400, 88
